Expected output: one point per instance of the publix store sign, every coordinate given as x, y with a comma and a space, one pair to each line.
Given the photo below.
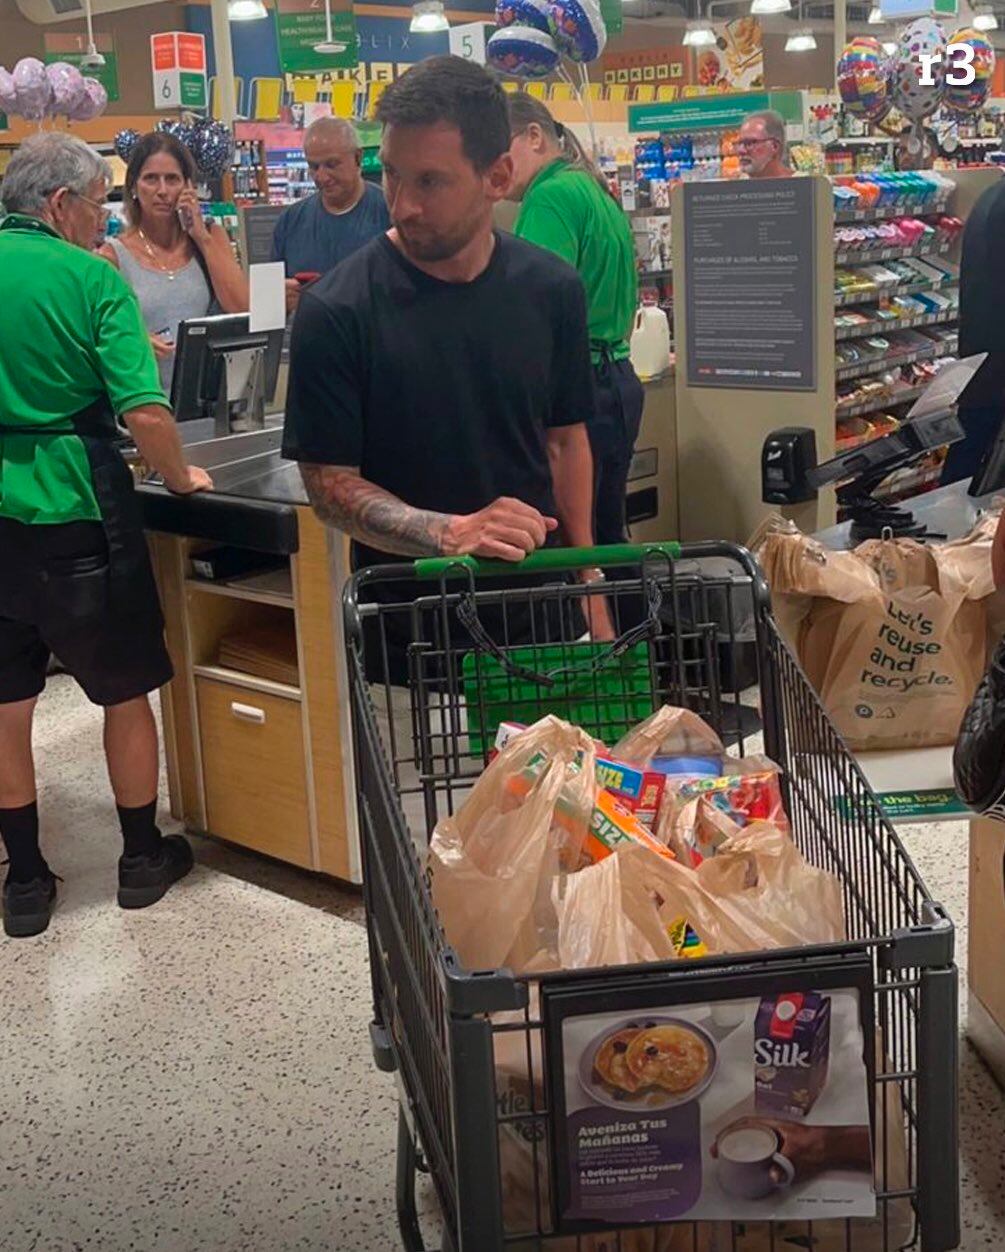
714, 111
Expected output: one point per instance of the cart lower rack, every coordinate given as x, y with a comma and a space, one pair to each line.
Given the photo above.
438, 654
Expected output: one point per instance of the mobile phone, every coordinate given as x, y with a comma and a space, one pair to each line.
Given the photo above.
185, 218
306, 276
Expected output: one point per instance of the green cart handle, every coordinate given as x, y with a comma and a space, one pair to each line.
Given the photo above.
558, 560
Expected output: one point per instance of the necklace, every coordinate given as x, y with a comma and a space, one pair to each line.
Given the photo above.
164, 269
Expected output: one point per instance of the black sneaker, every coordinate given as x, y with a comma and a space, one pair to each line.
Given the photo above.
27, 906
144, 879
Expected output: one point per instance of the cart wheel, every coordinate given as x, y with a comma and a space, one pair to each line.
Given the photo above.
408, 1163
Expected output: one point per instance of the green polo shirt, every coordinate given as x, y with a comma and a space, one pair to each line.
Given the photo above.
566, 211
70, 332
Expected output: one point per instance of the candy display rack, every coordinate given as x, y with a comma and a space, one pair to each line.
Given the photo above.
881, 328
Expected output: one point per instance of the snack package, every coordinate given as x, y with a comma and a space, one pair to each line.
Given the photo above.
610, 824
638, 790
613, 827
700, 814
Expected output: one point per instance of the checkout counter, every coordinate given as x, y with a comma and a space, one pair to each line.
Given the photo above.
256, 722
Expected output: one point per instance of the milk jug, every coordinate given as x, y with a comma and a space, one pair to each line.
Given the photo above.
650, 342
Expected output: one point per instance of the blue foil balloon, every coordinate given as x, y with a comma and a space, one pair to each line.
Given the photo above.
578, 28
532, 13
522, 52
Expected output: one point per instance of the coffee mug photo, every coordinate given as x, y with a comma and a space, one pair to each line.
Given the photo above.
750, 1163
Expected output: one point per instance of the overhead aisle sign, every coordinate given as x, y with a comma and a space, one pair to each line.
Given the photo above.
178, 64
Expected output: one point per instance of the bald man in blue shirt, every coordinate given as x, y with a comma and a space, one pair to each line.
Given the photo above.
314, 235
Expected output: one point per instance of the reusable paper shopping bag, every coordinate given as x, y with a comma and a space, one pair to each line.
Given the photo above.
892, 635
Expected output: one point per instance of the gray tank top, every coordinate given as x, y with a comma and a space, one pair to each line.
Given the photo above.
165, 301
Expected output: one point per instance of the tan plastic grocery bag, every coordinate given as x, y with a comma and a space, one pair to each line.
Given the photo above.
492, 863
893, 633
669, 731
758, 892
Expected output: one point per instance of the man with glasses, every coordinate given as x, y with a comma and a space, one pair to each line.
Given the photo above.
75, 576
761, 146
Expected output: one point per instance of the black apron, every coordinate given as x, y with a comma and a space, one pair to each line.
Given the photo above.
131, 580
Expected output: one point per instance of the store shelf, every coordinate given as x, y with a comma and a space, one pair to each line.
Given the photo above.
885, 212
875, 404
864, 369
881, 326
846, 299
250, 682
854, 141
660, 212
864, 256
270, 587
652, 274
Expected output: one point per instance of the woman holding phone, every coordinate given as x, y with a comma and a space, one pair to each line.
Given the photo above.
179, 266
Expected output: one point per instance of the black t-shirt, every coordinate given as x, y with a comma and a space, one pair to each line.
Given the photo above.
441, 393
982, 281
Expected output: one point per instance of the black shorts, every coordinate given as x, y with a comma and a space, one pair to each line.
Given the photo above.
55, 597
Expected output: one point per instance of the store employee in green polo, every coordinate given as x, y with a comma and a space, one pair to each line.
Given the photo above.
565, 208
75, 576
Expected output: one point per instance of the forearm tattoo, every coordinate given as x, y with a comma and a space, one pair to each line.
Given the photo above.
341, 498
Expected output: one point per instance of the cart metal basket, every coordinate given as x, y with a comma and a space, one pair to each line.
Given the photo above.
438, 653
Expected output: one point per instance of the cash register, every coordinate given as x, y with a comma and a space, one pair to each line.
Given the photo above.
790, 473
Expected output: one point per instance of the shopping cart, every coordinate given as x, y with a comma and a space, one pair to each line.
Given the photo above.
438, 653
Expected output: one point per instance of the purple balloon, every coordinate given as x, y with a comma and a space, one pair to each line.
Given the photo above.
92, 103
8, 92
67, 84
33, 89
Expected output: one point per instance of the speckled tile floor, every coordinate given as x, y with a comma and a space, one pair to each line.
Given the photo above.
198, 1077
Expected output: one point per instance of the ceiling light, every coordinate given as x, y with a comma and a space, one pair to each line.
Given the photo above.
428, 17
875, 15
984, 21
246, 10
92, 58
328, 46
890, 48
770, 6
801, 42
699, 35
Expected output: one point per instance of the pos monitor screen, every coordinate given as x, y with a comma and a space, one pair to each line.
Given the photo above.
225, 371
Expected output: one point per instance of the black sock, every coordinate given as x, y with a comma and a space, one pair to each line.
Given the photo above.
140, 835
19, 829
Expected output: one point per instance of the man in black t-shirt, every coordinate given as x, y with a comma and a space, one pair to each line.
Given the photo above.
982, 329
440, 377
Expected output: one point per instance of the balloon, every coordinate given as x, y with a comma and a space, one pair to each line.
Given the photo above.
578, 28
523, 13
212, 147
8, 92
32, 89
522, 52
93, 102
124, 143
67, 85
863, 76
971, 99
923, 37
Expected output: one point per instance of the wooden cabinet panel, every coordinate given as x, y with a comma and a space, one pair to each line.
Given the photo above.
254, 770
